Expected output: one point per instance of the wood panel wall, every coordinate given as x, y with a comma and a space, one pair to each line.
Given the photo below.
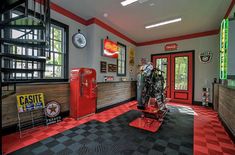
227, 107
58, 92
108, 94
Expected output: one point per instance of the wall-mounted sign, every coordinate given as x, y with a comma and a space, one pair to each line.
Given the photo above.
28, 102
112, 68
52, 112
110, 49
103, 66
205, 57
171, 47
108, 78
131, 56
224, 48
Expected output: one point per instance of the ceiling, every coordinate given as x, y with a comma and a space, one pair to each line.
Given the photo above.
197, 16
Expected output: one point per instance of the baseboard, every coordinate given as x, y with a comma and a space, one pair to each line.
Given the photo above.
231, 135
14, 127
114, 105
200, 103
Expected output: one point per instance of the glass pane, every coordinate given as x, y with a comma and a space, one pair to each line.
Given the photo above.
58, 59
162, 65
29, 75
57, 34
19, 50
35, 65
29, 65
18, 75
52, 45
181, 73
30, 36
35, 36
36, 75
50, 61
18, 64
35, 52
23, 75
24, 65
17, 34
30, 51
49, 71
119, 70
57, 46
51, 33
57, 71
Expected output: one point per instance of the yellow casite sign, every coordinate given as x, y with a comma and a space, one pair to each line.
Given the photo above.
28, 102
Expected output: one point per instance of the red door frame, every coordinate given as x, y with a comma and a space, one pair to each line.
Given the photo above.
171, 93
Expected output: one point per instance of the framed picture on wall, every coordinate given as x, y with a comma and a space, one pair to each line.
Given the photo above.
112, 68
103, 67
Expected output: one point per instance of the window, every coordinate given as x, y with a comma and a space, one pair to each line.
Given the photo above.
181, 73
56, 67
121, 62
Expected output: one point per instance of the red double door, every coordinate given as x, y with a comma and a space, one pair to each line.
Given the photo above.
178, 68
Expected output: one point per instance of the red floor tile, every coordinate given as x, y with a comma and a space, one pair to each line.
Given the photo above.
210, 136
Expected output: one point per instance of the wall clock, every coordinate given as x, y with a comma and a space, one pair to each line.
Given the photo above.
79, 40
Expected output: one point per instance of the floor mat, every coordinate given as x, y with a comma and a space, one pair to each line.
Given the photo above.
116, 137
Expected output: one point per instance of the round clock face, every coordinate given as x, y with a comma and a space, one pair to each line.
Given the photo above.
79, 40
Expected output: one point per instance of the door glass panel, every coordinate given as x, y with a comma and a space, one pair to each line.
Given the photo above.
181, 73
162, 65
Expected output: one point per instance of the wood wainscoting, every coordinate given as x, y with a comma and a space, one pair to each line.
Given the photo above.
57, 91
227, 108
109, 93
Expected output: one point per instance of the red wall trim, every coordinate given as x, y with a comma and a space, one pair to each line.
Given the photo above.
67, 13
183, 37
79, 19
110, 29
229, 9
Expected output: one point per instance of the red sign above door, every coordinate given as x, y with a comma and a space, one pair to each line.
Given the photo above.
171, 47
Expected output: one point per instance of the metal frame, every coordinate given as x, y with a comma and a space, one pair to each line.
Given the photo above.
26, 125
120, 44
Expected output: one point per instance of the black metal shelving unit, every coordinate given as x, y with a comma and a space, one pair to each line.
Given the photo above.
32, 17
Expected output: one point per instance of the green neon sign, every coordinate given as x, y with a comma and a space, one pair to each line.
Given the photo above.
224, 49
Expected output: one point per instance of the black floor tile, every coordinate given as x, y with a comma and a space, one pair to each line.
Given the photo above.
117, 137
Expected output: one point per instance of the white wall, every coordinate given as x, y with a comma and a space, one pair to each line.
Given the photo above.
76, 56
95, 35
204, 73
90, 56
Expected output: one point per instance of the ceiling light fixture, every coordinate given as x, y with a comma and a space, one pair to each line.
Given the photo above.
127, 2
164, 23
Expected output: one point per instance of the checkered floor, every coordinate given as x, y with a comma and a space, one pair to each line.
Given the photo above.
117, 137
209, 134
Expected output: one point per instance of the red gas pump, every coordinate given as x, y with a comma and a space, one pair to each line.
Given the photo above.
83, 92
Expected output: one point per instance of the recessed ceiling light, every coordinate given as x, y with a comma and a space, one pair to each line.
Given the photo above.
127, 2
106, 15
164, 23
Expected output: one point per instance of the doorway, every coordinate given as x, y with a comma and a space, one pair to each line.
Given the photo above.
178, 74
